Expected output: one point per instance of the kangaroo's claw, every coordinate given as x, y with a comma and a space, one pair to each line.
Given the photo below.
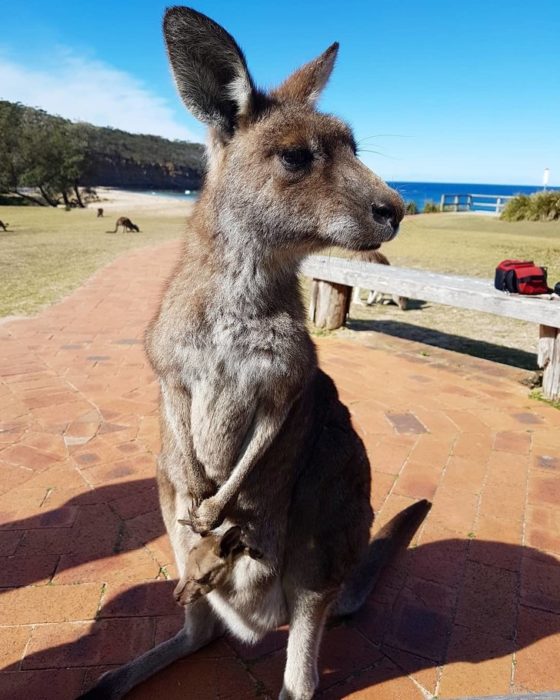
203, 518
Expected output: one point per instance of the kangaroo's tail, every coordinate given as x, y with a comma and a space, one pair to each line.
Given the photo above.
395, 535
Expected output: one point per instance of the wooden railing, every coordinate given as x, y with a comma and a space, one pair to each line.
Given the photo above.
472, 202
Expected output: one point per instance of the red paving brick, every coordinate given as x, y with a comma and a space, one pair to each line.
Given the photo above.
471, 608
488, 670
537, 667
73, 644
41, 685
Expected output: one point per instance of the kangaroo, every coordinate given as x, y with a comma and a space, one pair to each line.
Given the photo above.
99, 212
376, 256
126, 224
252, 430
4, 226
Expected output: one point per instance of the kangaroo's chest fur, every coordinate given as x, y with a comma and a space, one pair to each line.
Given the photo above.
242, 365
220, 358
223, 354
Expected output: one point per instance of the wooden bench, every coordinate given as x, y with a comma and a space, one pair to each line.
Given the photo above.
333, 279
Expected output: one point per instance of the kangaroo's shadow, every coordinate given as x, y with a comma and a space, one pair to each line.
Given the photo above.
94, 525
417, 618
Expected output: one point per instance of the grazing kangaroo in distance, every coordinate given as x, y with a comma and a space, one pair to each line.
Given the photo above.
376, 256
252, 430
4, 226
99, 212
126, 224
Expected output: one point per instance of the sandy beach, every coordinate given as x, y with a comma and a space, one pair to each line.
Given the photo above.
125, 203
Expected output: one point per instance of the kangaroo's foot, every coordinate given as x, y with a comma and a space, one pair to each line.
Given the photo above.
307, 621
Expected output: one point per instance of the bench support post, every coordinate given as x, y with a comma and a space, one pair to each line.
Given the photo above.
549, 360
329, 304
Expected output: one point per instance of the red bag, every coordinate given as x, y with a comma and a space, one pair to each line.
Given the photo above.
521, 277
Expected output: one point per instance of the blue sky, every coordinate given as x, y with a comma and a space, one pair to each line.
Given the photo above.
435, 90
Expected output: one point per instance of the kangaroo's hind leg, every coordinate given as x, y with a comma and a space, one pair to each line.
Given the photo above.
308, 613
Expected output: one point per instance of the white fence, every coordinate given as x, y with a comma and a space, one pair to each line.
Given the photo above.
492, 203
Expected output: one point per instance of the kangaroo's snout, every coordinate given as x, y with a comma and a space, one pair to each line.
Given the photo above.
387, 210
386, 213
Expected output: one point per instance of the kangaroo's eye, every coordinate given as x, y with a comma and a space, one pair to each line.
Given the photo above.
296, 158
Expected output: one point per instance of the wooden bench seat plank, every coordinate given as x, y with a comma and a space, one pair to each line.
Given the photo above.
451, 290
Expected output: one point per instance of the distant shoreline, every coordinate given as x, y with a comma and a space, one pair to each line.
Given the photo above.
120, 199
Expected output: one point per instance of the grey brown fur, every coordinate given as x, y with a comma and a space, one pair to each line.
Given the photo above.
252, 430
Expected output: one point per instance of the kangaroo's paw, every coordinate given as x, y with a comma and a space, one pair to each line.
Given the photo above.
205, 517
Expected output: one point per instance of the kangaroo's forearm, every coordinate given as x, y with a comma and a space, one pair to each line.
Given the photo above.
262, 432
177, 421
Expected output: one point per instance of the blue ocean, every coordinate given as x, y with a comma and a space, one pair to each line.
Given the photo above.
421, 192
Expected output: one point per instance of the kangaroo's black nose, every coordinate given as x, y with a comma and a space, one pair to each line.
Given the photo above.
386, 213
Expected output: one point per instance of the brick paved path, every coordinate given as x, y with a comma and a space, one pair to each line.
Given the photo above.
473, 608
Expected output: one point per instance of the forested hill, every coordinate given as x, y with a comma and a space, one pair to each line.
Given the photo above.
121, 159
44, 151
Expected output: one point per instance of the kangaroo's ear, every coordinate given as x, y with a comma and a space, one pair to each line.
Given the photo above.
209, 68
307, 83
231, 539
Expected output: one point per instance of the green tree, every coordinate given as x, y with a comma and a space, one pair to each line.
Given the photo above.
55, 156
15, 156
51, 155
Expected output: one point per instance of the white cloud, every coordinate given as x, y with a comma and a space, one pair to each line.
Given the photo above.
89, 90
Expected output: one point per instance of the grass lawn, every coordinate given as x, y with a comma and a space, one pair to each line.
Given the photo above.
49, 252
472, 245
